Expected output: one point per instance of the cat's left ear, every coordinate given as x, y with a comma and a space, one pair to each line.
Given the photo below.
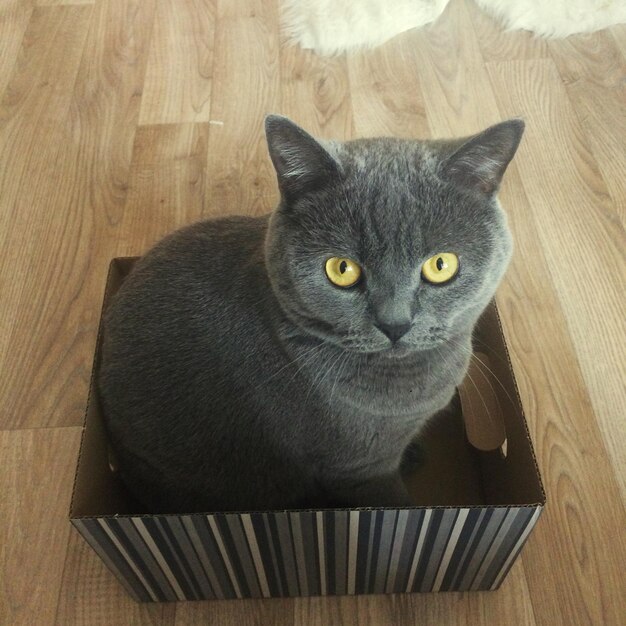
302, 164
481, 161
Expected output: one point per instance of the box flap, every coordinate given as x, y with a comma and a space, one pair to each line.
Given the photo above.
512, 479
482, 413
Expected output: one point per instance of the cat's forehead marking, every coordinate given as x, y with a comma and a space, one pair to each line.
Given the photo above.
386, 153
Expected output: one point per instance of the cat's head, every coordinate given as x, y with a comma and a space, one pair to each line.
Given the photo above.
388, 243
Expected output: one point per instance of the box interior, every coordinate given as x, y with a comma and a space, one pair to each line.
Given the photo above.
452, 473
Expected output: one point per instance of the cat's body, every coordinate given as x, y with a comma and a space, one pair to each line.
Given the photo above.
236, 376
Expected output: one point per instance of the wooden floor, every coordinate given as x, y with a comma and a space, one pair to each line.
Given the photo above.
123, 119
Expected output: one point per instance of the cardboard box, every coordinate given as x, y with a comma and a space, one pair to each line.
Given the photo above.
474, 511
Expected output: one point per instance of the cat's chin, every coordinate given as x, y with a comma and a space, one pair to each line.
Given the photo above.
403, 350
398, 351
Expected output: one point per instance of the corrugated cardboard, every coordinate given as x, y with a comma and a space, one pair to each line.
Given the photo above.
474, 511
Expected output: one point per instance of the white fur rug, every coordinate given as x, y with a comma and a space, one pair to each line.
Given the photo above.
557, 18
332, 26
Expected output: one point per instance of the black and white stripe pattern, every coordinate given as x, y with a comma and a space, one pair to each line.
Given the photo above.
303, 553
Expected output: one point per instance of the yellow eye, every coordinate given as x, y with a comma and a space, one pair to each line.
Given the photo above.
440, 268
342, 272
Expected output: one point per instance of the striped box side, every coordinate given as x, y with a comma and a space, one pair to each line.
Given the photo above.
200, 557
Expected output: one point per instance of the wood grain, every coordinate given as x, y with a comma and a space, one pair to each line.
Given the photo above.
497, 44
14, 19
34, 218
385, 91
178, 80
123, 119
271, 612
361, 610
594, 75
576, 241
35, 483
75, 218
453, 79
619, 35
240, 178
166, 184
568, 441
315, 92
91, 596
50, 3
511, 604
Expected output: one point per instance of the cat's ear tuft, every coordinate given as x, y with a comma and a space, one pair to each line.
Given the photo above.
481, 161
302, 164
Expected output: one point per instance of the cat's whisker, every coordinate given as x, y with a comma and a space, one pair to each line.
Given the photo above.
480, 395
287, 365
471, 354
489, 348
339, 373
319, 380
486, 367
310, 358
319, 373
440, 355
470, 379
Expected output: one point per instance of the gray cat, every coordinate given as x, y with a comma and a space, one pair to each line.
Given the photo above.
289, 360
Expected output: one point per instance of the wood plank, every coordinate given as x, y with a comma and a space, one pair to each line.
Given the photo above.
33, 145
91, 595
451, 609
240, 177
498, 44
36, 485
38, 95
180, 65
594, 75
452, 76
166, 184
584, 513
270, 612
51, 3
14, 18
105, 106
60, 285
578, 233
346, 611
315, 92
618, 32
511, 604
385, 90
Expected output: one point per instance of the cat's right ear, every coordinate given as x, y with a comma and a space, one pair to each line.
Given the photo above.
481, 161
302, 164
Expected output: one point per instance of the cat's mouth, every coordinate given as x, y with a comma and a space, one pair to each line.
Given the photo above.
435, 337
388, 350
398, 351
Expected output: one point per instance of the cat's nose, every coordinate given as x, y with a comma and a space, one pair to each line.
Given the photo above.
394, 331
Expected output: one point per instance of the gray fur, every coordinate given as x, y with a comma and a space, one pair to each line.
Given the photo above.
236, 376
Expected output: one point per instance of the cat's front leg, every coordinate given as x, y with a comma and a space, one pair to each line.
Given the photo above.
376, 491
